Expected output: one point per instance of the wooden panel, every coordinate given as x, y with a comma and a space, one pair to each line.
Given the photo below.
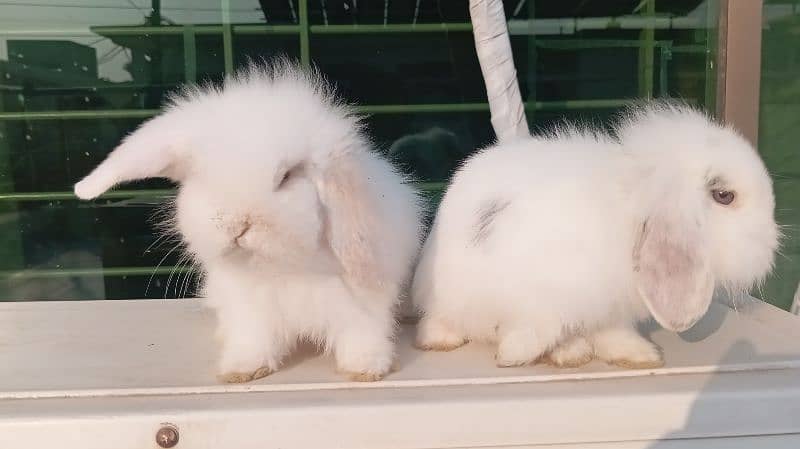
739, 65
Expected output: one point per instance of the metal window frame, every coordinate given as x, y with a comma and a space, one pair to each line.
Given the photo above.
736, 64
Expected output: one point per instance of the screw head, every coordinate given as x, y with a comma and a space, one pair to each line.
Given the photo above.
167, 436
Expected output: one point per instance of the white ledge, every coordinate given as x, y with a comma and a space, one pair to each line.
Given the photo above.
74, 369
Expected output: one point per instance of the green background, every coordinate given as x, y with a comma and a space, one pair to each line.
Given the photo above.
779, 137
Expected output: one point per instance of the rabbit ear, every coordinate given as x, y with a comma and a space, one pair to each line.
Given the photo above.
672, 272
352, 222
150, 152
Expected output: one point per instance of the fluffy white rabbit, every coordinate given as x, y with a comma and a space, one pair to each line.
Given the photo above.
302, 231
556, 247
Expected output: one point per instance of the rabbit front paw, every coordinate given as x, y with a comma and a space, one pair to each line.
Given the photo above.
236, 377
241, 362
517, 348
363, 358
624, 347
434, 335
572, 353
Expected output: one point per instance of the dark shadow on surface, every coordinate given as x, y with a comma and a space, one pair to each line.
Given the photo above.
706, 404
706, 327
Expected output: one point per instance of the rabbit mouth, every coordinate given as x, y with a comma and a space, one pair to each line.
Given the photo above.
236, 253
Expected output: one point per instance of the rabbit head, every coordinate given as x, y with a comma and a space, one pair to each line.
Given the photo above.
707, 209
270, 171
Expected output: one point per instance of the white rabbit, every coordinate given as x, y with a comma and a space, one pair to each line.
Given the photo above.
302, 232
555, 247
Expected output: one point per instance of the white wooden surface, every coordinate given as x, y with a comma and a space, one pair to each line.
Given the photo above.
107, 374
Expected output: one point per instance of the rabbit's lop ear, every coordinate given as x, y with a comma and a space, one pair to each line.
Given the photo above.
672, 272
352, 220
149, 152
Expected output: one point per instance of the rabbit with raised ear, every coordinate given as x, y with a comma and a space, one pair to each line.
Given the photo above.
556, 247
302, 231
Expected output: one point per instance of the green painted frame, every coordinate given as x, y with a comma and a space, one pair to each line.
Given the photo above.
647, 46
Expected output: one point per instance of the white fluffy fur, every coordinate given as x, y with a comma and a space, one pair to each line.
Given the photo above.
592, 234
321, 256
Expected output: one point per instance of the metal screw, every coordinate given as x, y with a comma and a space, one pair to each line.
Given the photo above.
167, 436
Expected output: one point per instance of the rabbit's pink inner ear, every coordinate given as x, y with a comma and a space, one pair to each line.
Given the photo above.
351, 222
672, 274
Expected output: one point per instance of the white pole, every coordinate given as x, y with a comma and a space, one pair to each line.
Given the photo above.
796, 303
497, 65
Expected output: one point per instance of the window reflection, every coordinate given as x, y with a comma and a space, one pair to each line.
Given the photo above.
77, 75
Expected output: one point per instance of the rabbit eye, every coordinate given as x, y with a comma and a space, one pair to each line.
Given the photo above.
284, 179
288, 175
724, 197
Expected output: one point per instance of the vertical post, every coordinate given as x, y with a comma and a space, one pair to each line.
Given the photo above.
11, 249
533, 53
647, 50
189, 54
739, 65
665, 54
305, 53
155, 12
714, 57
227, 36
156, 68
722, 57
493, 46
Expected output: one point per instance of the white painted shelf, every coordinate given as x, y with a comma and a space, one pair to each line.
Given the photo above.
108, 373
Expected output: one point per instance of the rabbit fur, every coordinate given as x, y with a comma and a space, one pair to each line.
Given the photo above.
303, 232
555, 247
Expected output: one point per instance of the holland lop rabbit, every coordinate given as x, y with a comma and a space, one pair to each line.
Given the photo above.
302, 231
555, 247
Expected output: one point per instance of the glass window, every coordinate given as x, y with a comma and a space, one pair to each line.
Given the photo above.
779, 134
76, 76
